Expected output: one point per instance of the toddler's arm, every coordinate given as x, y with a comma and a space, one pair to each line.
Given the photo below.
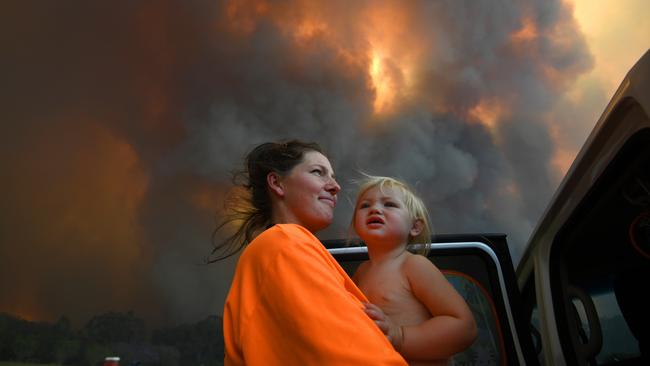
450, 330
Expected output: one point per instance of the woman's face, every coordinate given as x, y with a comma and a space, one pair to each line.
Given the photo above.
310, 192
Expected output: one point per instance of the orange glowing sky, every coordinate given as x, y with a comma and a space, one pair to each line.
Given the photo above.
100, 181
618, 35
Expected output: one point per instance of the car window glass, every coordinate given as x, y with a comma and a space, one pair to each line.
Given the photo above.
488, 347
618, 342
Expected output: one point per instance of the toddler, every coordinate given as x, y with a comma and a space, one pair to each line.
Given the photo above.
421, 313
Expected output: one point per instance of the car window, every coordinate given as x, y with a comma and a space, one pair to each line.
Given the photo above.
599, 268
618, 342
488, 349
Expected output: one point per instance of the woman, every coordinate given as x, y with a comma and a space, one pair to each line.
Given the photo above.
290, 302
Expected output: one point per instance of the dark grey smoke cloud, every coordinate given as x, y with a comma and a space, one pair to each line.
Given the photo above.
122, 122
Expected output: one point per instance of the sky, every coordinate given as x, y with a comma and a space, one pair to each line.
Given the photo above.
123, 121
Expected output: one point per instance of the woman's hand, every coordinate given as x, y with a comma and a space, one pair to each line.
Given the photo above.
393, 332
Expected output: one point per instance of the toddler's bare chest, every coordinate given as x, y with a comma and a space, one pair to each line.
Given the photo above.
392, 293
383, 290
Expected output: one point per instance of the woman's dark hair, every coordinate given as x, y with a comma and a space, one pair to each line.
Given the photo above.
249, 203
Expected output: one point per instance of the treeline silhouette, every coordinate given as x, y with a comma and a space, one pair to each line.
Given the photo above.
111, 334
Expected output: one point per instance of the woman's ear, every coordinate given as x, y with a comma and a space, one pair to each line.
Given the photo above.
274, 181
416, 229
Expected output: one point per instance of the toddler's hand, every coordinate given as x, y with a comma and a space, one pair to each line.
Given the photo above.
393, 332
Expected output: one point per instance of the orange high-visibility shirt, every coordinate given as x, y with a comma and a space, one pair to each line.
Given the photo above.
291, 303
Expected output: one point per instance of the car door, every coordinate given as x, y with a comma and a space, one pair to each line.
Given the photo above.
584, 276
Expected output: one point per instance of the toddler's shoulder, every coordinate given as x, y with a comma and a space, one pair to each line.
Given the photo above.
417, 260
416, 264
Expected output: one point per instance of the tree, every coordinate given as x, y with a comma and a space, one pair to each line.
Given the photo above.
24, 347
115, 327
199, 344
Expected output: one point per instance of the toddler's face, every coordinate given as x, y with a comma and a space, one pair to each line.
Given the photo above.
381, 217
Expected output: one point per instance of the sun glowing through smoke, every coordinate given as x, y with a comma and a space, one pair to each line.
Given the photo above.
383, 84
380, 40
394, 56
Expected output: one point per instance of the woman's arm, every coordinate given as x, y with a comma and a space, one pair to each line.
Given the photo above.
307, 311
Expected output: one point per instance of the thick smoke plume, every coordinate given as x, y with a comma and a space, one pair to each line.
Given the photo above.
122, 122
